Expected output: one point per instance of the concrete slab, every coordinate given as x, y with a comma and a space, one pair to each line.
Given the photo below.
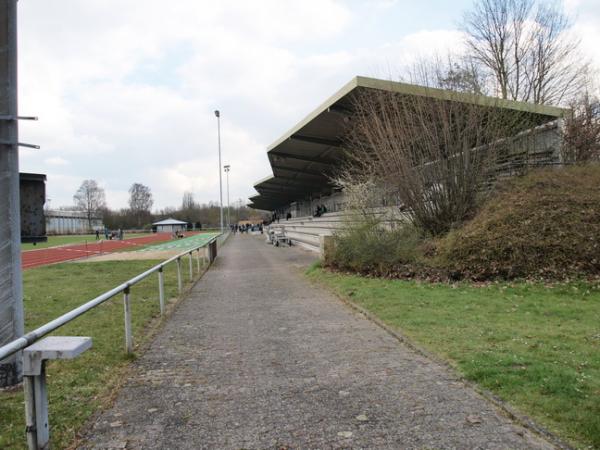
53, 347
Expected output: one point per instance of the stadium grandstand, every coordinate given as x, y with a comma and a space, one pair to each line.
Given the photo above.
304, 158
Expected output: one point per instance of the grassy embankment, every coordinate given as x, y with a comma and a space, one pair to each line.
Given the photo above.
535, 346
79, 387
542, 226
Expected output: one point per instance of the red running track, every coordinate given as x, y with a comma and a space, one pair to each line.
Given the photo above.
42, 257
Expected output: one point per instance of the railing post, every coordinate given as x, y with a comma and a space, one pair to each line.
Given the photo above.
179, 279
128, 334
191, 267
30, 428
161, 291
40, 392
212, 251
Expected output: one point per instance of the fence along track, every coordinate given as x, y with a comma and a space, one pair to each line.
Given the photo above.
33, 336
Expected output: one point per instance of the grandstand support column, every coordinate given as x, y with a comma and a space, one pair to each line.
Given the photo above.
11, 289
560, 148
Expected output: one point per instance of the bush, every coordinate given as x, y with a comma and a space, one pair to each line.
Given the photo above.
543, 225
371, 248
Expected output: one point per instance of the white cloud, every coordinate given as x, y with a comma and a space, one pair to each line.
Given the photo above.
586, 17
76, 58
125, 90
56, 161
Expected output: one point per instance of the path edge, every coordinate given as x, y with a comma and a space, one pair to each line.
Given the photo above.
516, 416
156, 325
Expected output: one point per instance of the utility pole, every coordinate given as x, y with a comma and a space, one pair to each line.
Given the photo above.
227, 168
11, 284
218, 114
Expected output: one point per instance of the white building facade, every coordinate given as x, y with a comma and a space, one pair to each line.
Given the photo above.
169, 226
71, 222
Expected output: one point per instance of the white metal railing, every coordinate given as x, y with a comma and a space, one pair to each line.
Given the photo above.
66, 347
35, 335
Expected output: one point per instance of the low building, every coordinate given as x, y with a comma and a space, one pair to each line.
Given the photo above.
169, 226
71, 222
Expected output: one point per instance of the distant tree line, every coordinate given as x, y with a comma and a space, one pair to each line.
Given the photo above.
207, 214
90, 198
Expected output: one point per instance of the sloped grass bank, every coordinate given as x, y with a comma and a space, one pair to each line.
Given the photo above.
544, 226
79, 387
535, 346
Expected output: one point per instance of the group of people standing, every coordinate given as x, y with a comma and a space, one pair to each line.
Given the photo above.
245, 228
319, 211
110, 235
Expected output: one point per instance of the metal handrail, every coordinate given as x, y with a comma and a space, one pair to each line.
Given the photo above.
35, 335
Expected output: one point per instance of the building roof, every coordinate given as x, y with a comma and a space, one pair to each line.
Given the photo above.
170, 221
24, 176
304, 156
61, 213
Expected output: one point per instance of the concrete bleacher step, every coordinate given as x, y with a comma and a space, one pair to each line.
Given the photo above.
307, 230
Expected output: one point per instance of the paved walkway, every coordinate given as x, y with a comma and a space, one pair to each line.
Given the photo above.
258, 358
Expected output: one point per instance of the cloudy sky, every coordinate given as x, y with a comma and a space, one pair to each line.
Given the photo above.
125, 89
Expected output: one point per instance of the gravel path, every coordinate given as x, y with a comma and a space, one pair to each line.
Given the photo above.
257, 357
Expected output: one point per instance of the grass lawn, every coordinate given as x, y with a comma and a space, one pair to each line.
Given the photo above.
54, 241
78, 387
534, 346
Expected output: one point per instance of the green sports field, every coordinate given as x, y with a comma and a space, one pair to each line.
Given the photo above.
182, 244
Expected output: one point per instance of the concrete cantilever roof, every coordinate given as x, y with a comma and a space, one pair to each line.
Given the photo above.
305, 155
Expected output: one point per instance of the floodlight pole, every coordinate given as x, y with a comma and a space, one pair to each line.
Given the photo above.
227, 168
11, 287
218, 115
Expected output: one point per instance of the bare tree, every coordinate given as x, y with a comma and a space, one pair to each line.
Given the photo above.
361, 194
189, 208
91, 199
430, 155
527, 48
582, 130
454, 72
188, 201
140, 202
